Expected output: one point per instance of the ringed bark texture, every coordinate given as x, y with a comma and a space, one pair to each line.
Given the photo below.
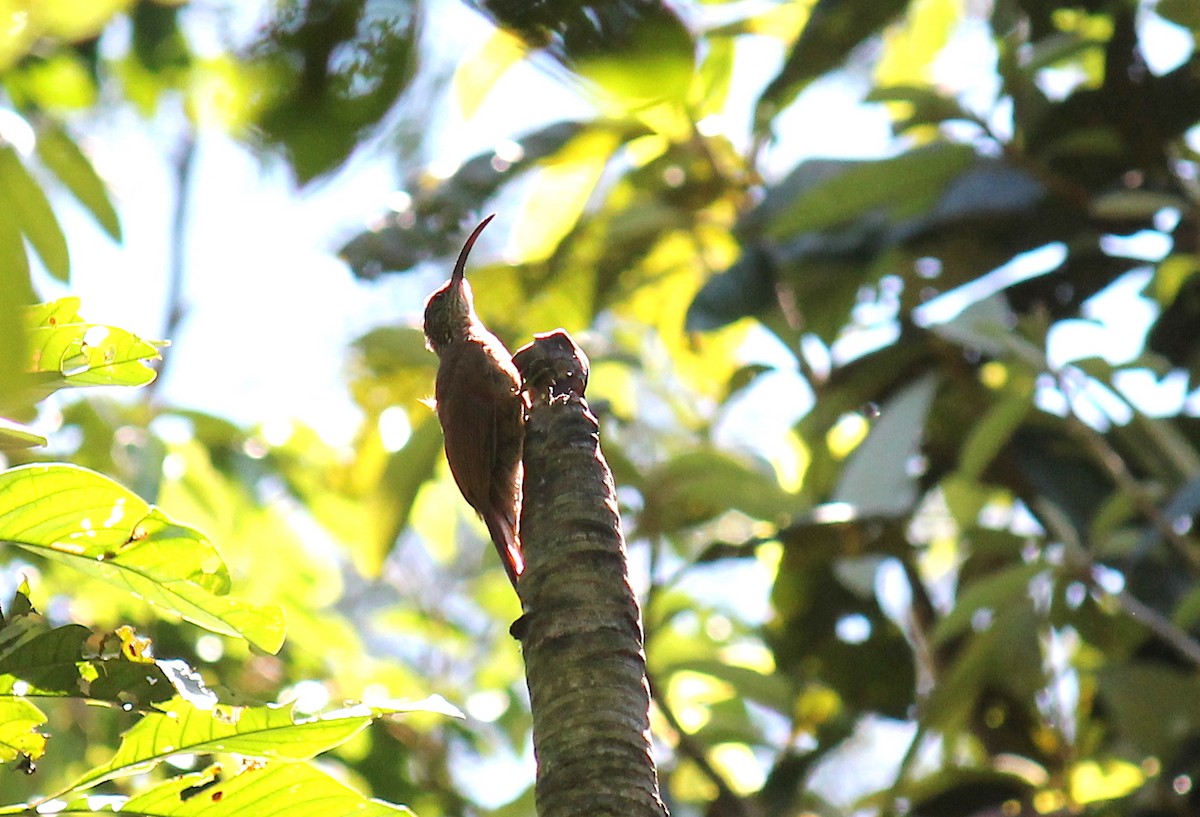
582, 634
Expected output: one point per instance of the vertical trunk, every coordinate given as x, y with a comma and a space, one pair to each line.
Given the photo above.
582, 634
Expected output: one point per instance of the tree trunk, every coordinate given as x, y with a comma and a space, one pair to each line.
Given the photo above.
581, 634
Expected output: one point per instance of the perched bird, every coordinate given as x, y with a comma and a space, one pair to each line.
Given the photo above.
480, 407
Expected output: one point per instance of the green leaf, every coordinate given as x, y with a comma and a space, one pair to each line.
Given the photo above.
296, 107
83, 519
710, 87
1154, 706
650, 62
906, 185
987, 326
68, 352
477, 73
420, 232
38, 660
1129, 205
993, 431
295, 789
747, 288
73, 662
61, 155
997, 591
771, 690
15, 294
407, 471
16, 435
1181, 12
261, 731
1004, 657
24, 204
927, 106
632, 54
701, 485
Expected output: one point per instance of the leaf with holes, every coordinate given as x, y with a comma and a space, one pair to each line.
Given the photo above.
66, 351
19, 735
295, 789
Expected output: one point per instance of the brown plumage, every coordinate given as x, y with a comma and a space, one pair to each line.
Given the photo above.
480, 408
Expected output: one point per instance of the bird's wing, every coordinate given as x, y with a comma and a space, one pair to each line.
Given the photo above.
469, 426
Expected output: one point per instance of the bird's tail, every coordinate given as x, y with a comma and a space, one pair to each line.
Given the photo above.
503, 529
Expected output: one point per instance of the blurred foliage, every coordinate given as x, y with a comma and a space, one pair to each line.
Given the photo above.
917, 540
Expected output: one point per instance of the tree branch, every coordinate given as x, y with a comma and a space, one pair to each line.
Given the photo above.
581, 634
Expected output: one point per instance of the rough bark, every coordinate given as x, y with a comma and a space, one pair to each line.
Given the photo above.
581, 634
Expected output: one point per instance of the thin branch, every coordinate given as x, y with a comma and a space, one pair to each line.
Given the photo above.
1114, 465
1108, 458
185, 165
1158, 624
891, 802
1154, 621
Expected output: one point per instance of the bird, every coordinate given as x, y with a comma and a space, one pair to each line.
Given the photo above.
479, 403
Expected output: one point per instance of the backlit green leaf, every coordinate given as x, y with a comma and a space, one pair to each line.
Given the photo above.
259, 731
295, 789
85, 520
19, 738
66, 351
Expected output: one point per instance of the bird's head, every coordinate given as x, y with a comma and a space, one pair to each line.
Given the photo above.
450, 309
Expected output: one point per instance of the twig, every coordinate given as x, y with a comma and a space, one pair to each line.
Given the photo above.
185, 163
1158, 624
1151, 619
1101, 450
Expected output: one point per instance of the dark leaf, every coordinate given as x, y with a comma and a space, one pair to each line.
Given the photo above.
746, 289
961, 792
1153, 706
637, 52
871, 666
429, 227
339, 68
